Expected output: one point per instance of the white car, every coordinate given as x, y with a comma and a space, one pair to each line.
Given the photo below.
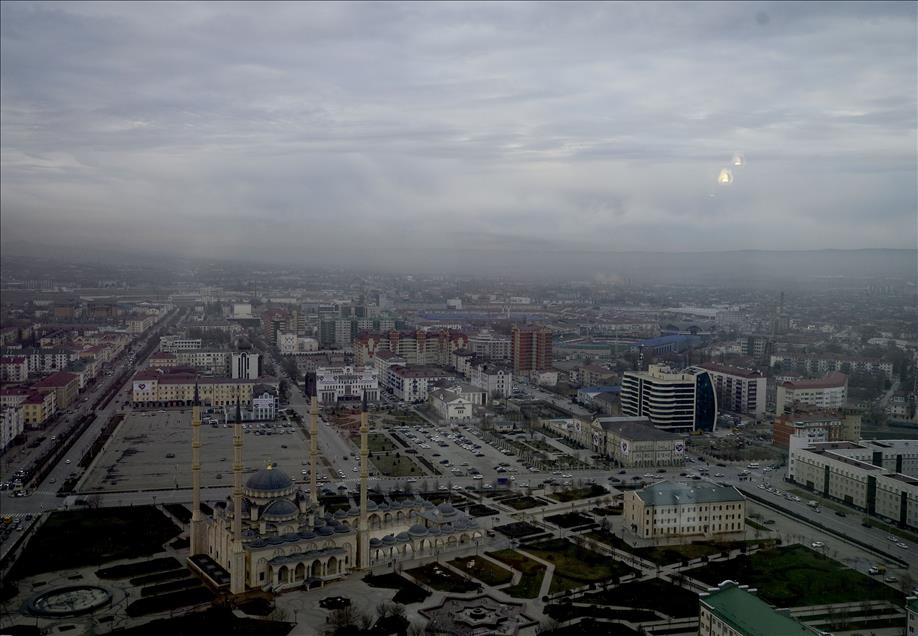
817, 544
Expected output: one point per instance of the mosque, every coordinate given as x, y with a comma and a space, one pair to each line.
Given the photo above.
271, 535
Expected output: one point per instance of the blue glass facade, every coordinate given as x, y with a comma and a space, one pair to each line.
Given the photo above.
705, 402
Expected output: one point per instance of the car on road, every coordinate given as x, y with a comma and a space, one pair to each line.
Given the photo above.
890, 579
902, 545
817, 544
66, 461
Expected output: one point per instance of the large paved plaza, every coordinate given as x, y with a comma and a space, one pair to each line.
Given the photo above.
152, 450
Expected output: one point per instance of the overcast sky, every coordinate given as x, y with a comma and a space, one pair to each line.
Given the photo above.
284, 130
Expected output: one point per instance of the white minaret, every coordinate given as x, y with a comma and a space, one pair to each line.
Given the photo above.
313, 440
237, 567
197, 522
363, 526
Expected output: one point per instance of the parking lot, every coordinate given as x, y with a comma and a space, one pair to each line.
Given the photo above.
152, 450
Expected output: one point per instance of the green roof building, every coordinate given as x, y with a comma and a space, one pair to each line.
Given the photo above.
732, 610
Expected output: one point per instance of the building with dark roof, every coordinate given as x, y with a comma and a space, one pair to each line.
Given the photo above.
678, 512
633, 442
66, 387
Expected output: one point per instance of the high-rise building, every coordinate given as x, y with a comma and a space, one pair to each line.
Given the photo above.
673, 400
738, 390
829, 392
487, 343
531, 348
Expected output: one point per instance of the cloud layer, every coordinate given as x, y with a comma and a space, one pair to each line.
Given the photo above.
355, 131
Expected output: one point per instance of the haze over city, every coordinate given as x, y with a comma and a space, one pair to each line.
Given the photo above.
369, 133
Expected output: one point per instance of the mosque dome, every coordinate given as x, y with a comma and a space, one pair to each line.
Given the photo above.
417, 530
280, 509
269, 479
446, 509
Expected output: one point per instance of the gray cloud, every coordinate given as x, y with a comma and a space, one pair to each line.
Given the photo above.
364, 129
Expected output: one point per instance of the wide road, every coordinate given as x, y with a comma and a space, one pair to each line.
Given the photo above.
43, 497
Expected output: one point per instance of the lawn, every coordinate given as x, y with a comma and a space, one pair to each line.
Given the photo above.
479, 510
565, 611
485, 571
665, 555
76, 538
378, 442
518, 529
576, 566
523, 503
533, 573
396, 465
570, 520
440, 578
591, 627
654, 594
593, 490
796, 576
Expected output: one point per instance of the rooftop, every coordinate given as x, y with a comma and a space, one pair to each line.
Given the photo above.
635, 428
422, 371
831, 381
668, 493
749, 615
61, 378
730, 370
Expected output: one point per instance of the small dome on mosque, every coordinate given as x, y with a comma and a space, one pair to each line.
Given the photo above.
280, 509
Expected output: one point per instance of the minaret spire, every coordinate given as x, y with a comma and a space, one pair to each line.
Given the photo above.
363, 538
313, 438
237, 570
197, 522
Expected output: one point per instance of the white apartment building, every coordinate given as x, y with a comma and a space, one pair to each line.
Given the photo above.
43, 361
829, 392
413, 384
826, 364
676, 512
487, 343
384, 360
334, 384
14, 368
244, 365
494, 379
139, 324
683, 401
291, 344
173, 344
876, 476
12, 422
286, 343
738, 390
